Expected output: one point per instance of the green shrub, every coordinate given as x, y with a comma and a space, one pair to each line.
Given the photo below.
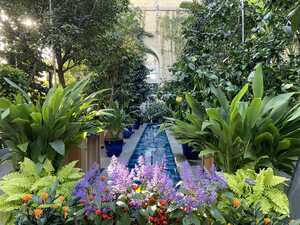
33, 179
48, 129
17, 76
156, 112
262, 189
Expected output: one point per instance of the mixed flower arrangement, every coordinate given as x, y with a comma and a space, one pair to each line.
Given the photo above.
145, 195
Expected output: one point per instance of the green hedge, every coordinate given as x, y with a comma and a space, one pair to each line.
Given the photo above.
17, 76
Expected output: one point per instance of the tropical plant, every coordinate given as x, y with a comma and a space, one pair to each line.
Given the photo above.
189, 130
48, 129
261, 132
116, 122
262, 189
35, 179
233, 210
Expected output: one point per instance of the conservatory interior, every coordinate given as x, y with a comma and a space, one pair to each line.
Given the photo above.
149, 112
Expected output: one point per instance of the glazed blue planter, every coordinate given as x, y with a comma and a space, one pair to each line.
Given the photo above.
127, 133
113, 148
136, 125
130, 129
189, 153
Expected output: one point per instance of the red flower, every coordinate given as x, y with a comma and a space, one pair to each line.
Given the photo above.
163, 202
106, 216
135, 186
98, 212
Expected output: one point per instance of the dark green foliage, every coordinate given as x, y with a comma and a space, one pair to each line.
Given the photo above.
15, 75
72, 30
215, 54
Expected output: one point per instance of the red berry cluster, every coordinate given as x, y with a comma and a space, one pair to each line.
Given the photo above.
159, 218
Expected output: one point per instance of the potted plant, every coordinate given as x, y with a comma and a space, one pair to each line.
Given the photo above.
115, 125
189, 152
128, 130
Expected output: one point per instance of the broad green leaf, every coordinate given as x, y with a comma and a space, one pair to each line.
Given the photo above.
14, 85
58, 146
206, 152
23, 147
5, 114
295, 18
258, 83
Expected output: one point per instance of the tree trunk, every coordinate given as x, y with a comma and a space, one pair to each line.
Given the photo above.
50, 79
61, 76
60, 67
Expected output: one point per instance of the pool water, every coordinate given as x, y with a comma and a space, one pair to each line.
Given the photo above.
155, 147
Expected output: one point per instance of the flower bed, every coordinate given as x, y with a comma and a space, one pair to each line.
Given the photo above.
146, 195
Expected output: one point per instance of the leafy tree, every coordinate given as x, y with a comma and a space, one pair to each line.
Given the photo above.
120, 66
17, 76
72, 28
215, 54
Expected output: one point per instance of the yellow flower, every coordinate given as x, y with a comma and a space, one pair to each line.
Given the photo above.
138, 190
38, 213
44, 196
179, 99
26, 198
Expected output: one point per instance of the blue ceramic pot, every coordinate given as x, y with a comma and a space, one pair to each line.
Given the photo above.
113, 148
126, 133
136, 125
130, 129
189, 153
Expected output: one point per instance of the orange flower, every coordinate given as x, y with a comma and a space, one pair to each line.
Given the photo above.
38, 213
61, 198
66, 211
267, 221
54, 206
44, 196
236, 203
26, 198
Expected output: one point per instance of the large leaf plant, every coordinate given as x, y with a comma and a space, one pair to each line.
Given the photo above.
261, 132
256, 133
35, 179
47, 129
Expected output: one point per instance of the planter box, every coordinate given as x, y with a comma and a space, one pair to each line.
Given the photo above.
87, 153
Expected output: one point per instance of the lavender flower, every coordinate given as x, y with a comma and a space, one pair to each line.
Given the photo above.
198, 189
118, 176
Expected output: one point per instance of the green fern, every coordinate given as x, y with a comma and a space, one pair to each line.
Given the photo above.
263, 189
32, 179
